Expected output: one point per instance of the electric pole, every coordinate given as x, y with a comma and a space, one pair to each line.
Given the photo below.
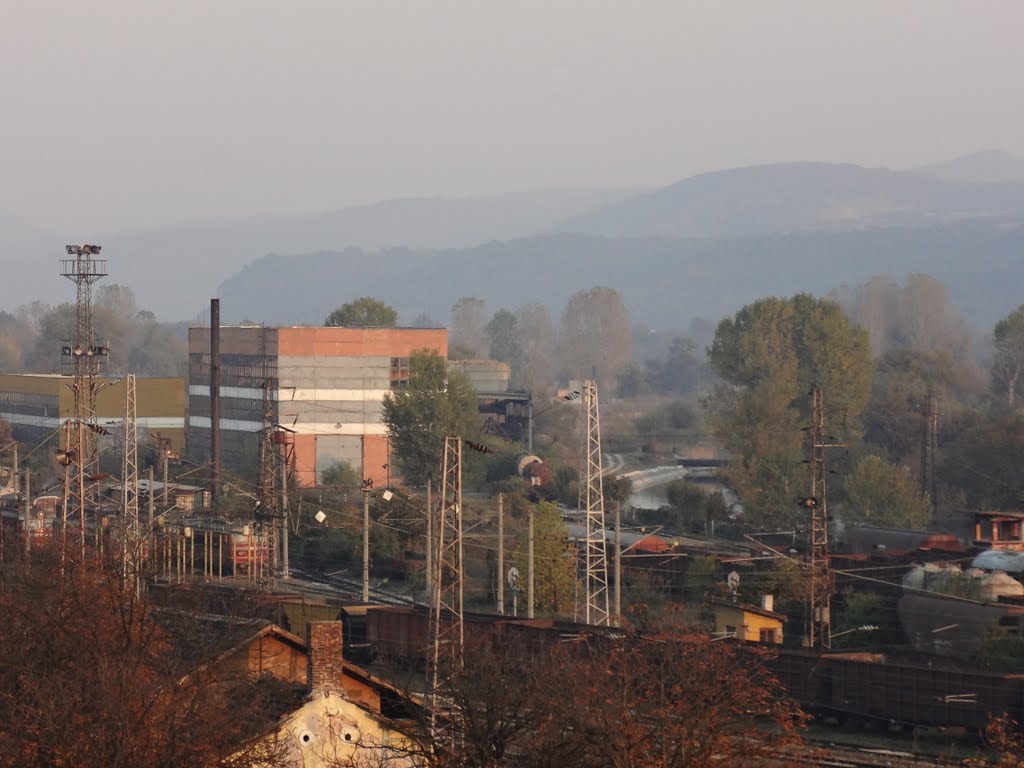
447, 599
929, 447
501, 557
592, 493
130, 486
265, 515
819, 613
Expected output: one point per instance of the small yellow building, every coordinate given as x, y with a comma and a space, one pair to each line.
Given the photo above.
748, 622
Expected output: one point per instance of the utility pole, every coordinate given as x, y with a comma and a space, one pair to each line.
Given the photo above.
819, 613
592, 493
529, 564
29, 532
265, 515
83, 355
618, 563
447, 599
151, 503
501, 556
428, 577
366, 542
929, 448
286, 466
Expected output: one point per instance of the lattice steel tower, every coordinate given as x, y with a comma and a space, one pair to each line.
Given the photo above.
446, 626
266, 515
84, 356
131, 533
592, 500
819, 614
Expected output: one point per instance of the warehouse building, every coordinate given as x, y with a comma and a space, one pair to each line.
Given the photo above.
326, 390
36, 405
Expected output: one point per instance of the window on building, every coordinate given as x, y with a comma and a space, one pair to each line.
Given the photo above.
769, 636
399, 372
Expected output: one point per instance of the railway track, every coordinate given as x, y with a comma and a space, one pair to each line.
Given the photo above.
830, 755
337, 586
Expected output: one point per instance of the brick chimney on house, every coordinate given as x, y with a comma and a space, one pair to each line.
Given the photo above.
324, 658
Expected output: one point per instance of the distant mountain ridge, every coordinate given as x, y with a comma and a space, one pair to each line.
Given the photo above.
175, 269
989, 166
665, 281
792, 197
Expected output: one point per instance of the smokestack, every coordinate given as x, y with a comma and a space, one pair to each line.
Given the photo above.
215, 396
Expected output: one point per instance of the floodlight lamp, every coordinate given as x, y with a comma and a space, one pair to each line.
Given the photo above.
77, 351
90, 351
65, 350
71, 249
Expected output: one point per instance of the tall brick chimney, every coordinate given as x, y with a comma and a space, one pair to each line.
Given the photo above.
324, 659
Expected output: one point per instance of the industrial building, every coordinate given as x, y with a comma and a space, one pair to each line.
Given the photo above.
322, 386
36, 405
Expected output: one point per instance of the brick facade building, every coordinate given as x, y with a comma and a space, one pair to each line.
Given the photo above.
324, 386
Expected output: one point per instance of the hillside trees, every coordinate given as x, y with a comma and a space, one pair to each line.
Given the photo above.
1008, 356
894, 418
502, 336
536, 336
917, 315
364, 312
769, 356
880, 493
137, 341
596, 336
554, 562
467, 332
437, 403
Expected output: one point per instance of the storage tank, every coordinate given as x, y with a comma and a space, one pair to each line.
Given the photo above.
1000, 584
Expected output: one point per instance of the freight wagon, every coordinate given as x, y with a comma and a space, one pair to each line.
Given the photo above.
868, 688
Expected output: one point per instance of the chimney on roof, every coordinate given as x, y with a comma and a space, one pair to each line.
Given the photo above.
324, 658
768, 602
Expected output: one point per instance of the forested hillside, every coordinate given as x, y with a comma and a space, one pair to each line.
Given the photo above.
664, 281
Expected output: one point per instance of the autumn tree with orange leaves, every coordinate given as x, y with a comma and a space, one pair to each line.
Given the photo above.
658, 699
89, 677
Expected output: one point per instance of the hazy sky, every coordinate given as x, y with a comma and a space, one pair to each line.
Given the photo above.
127, 114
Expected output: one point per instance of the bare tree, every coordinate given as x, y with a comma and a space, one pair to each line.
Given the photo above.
467, 333
90, 678
535, 335
1008, 360
596, 335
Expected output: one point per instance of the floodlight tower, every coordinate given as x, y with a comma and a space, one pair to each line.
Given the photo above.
592, 500
83, 355
446, 625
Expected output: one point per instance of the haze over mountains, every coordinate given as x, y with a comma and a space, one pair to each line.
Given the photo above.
703, 246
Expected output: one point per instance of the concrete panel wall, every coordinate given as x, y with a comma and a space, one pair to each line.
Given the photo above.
332, 449
306, 372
